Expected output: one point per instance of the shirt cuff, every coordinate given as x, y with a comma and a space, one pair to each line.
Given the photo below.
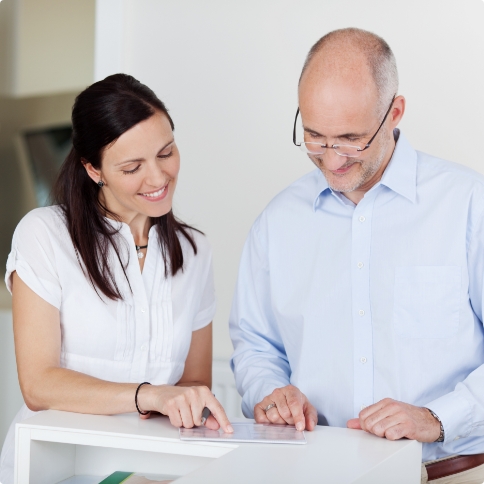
455, 412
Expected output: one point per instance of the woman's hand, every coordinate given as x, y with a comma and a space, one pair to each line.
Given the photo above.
184, 405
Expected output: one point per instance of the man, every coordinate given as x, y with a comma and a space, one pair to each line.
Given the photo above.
359, 298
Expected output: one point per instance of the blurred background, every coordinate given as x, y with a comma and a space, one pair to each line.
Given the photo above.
228, 73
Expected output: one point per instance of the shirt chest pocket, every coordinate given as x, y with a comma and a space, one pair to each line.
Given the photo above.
426, 301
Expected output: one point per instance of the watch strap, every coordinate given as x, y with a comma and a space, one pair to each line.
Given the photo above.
442, 433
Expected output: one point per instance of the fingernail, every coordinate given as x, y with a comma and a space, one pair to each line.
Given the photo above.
300, 426
230, 430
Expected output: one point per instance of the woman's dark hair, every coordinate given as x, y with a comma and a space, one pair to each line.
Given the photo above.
100, 115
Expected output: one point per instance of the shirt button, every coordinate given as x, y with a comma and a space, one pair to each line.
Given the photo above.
361, 312
143, 310
362, 219
360, 265
144, 347
363, 407
363, 360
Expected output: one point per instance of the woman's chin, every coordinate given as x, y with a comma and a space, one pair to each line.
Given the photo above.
154, 209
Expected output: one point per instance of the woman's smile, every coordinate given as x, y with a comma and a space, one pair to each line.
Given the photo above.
155, 196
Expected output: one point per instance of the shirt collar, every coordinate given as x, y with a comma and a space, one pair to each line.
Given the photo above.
400, 175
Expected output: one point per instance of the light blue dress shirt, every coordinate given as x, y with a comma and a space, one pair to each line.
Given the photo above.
356, 303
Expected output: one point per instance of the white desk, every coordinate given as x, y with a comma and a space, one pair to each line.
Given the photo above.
52, 446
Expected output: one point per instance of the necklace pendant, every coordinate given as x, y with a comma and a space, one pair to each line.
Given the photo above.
140, 255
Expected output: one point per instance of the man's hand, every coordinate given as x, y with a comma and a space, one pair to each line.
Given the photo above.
395, 420
292, 407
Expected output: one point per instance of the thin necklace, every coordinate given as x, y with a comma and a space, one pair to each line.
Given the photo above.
138, 250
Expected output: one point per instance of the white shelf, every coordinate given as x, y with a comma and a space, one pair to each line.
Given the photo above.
82, 480
53, 446
98, 479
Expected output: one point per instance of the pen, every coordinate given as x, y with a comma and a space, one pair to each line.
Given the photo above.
205, 414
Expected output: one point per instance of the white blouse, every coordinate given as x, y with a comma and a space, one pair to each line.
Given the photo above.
144, 337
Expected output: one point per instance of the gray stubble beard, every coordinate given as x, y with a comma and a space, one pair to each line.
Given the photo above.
369, 169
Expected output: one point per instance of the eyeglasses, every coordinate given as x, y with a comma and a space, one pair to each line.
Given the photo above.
342, 150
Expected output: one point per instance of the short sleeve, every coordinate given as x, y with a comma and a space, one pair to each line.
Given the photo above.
207, 308
33, 256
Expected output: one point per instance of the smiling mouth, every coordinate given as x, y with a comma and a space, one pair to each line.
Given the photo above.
342, 170
154, 195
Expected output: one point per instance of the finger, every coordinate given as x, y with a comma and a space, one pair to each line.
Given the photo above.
311, 416
279, 397
145, 417
259, 412
376, 407
274, 416
175, 417
382, 426
197, 407
219, 413
186, 415
260, 416
211, 423
354, 423
396, 432
294, 400
373, 420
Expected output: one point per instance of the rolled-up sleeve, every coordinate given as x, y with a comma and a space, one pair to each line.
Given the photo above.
33, 258
259, 361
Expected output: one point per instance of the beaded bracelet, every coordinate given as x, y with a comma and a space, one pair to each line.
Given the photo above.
136, 398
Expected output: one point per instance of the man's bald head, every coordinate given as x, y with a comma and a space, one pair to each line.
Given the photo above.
355, 56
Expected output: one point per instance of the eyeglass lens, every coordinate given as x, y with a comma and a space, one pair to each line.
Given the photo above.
342, 150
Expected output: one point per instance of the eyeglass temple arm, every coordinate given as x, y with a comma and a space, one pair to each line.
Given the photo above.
381, 124
294, 129
367, 144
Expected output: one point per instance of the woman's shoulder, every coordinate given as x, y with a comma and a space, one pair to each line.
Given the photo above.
49, 217
42, 220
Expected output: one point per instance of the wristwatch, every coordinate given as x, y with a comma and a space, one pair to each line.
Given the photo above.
442, 433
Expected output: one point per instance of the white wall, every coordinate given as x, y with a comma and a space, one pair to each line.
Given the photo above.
228, 72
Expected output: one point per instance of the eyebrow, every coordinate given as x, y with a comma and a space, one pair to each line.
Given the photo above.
134, 160
345, 135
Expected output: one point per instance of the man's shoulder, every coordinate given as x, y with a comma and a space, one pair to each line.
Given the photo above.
440, 170
299, 195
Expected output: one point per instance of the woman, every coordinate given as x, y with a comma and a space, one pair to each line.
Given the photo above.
110, 291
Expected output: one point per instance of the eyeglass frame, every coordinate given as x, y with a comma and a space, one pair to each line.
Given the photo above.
333, 146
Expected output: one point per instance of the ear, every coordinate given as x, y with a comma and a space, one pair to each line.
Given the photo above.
93, 173
397, 111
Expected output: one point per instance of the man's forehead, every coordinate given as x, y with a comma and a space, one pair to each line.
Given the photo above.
334, 115
334, 92
331, 106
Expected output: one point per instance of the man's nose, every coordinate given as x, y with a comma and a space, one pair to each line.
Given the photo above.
332, 161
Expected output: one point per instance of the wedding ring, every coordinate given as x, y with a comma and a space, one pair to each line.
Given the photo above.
271, 405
